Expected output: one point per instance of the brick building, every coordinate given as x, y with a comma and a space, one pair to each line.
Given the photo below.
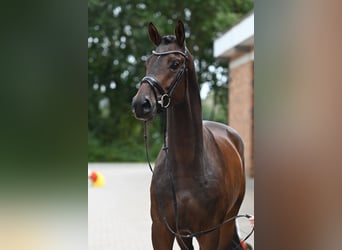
236, 47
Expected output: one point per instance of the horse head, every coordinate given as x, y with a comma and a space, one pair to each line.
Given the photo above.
165, 82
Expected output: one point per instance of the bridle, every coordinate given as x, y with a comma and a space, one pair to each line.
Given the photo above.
164, 103
165, 98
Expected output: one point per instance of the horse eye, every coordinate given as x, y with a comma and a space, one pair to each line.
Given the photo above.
174, 65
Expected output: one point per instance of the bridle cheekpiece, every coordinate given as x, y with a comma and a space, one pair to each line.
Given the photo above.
165, 98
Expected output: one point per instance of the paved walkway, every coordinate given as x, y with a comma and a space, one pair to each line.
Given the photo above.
119, 212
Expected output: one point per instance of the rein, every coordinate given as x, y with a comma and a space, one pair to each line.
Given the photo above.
164, 103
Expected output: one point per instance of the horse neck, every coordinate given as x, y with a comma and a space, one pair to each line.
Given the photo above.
184, 123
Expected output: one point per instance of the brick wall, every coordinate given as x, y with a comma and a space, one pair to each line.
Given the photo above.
241, 108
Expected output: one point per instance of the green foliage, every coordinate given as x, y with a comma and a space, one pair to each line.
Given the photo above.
121, 151
118, 45
212, 110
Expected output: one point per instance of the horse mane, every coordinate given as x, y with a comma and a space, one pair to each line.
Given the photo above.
168, 39
194, 88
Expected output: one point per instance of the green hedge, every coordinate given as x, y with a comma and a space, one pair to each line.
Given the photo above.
128, 151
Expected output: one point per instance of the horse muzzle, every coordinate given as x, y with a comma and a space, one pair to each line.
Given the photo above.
143, 108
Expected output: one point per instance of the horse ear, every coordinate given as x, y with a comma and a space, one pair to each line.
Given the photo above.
155, 37
180, 33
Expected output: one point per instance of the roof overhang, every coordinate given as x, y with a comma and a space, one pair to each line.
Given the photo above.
239, 39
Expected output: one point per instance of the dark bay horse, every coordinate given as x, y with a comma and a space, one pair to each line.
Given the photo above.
198, 180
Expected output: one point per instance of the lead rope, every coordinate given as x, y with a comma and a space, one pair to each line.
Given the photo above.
146, 146
169, 170
165, 149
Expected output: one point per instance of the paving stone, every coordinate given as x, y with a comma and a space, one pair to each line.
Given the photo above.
119, 212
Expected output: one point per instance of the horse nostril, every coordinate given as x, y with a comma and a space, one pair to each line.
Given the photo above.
146, 106
142, 107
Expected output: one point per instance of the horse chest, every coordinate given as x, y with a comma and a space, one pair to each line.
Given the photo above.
192, 193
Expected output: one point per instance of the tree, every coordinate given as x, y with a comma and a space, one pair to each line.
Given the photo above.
118, 46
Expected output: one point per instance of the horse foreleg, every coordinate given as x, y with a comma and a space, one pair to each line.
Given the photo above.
236, 243
229, 238
162, 239
185, 243
209, 241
